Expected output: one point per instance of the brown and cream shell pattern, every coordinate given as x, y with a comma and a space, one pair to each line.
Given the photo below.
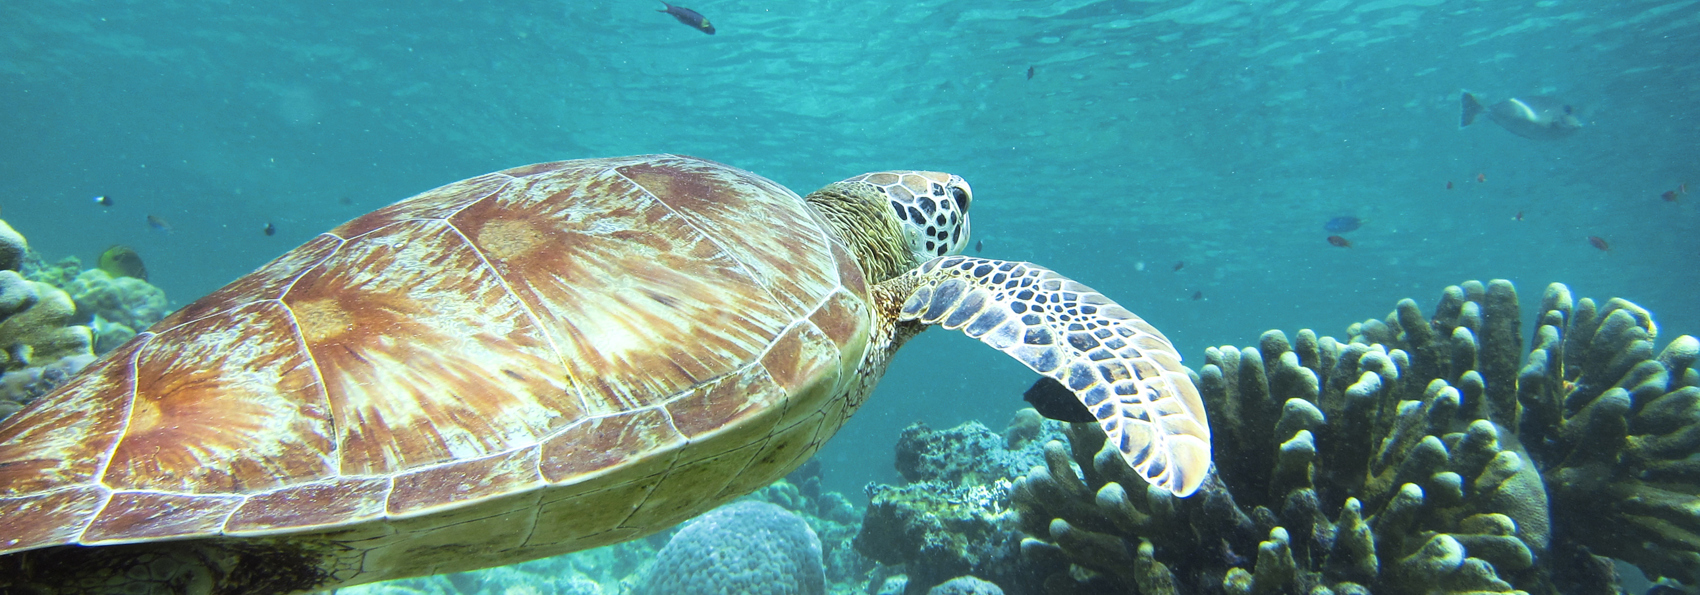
538, 360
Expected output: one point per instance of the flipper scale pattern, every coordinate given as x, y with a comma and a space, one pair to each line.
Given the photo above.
1123, 369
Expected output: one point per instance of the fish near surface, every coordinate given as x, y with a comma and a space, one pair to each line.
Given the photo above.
689, 17
1538, 117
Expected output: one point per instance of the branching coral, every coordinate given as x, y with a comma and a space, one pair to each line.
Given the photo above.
1395, 463
1619, 430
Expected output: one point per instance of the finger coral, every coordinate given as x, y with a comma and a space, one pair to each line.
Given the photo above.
1417, 457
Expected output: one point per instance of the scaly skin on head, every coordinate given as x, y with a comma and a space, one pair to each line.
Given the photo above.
895, 220
858, 214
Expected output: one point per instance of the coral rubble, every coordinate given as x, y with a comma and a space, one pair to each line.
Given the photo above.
1418, 457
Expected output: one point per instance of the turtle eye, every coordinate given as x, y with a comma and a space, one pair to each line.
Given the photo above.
961, 197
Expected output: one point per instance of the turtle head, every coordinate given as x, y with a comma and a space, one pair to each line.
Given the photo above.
896, 220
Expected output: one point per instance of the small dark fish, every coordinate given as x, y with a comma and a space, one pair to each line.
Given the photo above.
345, 201
1339, 241
103, 200
1342, 224
270, 230
1449, 184
1179, 264
689, 17
122, 261
1519, 216
1197, 295
979, 246
1669, 196
160, 224
1481, 177
1053, 400
1029, 73
1599, 242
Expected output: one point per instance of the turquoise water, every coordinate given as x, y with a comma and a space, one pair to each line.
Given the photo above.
1218, 133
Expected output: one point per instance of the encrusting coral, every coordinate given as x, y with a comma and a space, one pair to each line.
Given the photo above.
1417, 457
948, 520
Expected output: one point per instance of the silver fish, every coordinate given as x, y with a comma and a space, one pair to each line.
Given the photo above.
1537, 117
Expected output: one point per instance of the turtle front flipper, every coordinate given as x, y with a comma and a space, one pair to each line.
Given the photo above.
1125, 372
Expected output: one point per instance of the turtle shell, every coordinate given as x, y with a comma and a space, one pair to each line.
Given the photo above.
535, 361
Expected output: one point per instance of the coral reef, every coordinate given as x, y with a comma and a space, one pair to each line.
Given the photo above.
13, 247
39, 346
951, 518
1617, 430
54, 319
936, 531
743, 547
115, 307
834, 520
622, 568
1415, 458
966, 454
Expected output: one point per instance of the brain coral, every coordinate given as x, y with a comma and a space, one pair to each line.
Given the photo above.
965, 585
746, 547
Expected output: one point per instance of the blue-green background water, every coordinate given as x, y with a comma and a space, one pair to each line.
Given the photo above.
1218, 133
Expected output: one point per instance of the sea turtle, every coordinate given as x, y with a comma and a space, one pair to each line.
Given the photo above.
531, 362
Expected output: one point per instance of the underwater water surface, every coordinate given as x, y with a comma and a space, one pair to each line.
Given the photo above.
1185, 157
